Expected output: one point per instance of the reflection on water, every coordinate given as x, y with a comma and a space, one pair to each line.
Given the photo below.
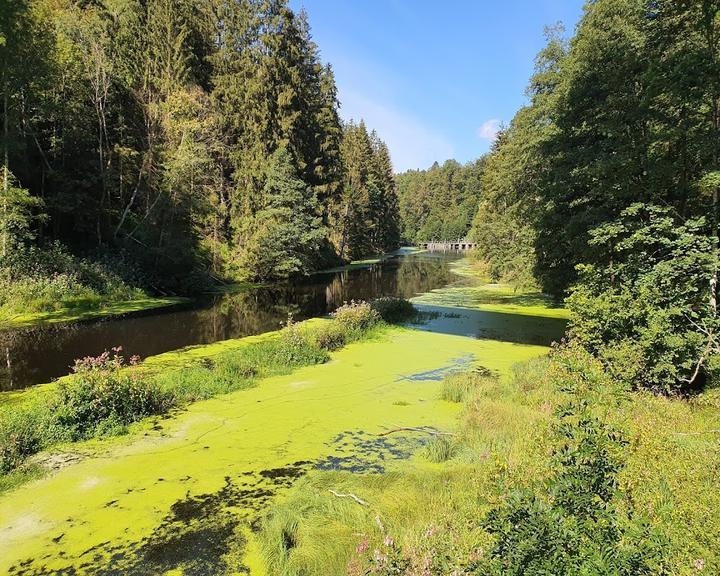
34, 356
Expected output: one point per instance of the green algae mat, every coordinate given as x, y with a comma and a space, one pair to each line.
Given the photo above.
182, 498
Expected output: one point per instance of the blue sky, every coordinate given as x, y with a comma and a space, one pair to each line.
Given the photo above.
433, 77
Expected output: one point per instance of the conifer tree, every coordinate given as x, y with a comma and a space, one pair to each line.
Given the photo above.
286, 231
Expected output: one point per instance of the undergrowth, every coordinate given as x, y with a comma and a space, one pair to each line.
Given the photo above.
555, 470
47, 279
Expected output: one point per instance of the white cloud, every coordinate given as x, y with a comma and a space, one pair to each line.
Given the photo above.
489, 129
412, 144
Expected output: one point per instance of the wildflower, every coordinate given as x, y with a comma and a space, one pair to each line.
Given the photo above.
699, 564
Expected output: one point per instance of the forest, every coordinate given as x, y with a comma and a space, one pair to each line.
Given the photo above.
167, 146
548, 403
605, 187
439, 203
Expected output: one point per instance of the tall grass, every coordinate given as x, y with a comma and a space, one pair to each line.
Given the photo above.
488, 507
34, 279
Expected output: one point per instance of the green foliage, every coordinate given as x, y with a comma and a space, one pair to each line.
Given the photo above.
40, 279
365, 218
20, 437
440, 448
286, 231
104, 395
505, 225
460, 387
394, 310
201, 140
579, 522
356, 316
330, 336
439, 203
647, 314
297, 348
17, 211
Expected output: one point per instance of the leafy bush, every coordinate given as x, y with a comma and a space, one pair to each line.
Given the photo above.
296, 347
330, 336
578, 522
647, 313
358, 316
394, 310
20, 437
104, 395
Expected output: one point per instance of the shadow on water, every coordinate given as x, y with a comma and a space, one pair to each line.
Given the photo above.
39, 355
505, 326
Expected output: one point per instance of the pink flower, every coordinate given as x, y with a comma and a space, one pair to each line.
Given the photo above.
699, 564
389, 541
362, 547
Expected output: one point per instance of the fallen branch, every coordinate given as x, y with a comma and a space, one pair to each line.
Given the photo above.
423, 429
349, 495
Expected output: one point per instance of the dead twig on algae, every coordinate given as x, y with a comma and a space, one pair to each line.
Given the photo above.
349, 495
422, 429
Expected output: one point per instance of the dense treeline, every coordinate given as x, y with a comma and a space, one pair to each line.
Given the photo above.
190, 139
439, 203
606, 186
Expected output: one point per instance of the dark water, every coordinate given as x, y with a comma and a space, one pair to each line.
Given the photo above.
39, 355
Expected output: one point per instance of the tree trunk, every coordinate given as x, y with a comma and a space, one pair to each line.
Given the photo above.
6, 170
716, 240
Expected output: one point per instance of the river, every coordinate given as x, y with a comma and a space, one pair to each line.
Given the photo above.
38, 355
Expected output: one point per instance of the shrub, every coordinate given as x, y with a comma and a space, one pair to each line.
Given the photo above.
586, 526
646, 314
358, 316
296, 347
34, 279
329, 336
20, 437
105, 394
394, 310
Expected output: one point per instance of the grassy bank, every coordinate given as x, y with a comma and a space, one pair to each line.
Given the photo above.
49, 284
84, 309
555, 468
368, 262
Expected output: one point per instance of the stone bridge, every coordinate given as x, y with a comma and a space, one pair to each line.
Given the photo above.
446, 245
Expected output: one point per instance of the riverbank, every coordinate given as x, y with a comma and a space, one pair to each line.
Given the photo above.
368, 262
77, 312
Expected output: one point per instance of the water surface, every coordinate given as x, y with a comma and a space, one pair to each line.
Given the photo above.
38, 355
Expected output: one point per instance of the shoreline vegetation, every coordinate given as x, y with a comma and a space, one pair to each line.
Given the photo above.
78, 312
372, 260
96, 307
107, 394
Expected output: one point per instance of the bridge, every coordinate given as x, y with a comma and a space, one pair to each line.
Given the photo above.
446, 245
